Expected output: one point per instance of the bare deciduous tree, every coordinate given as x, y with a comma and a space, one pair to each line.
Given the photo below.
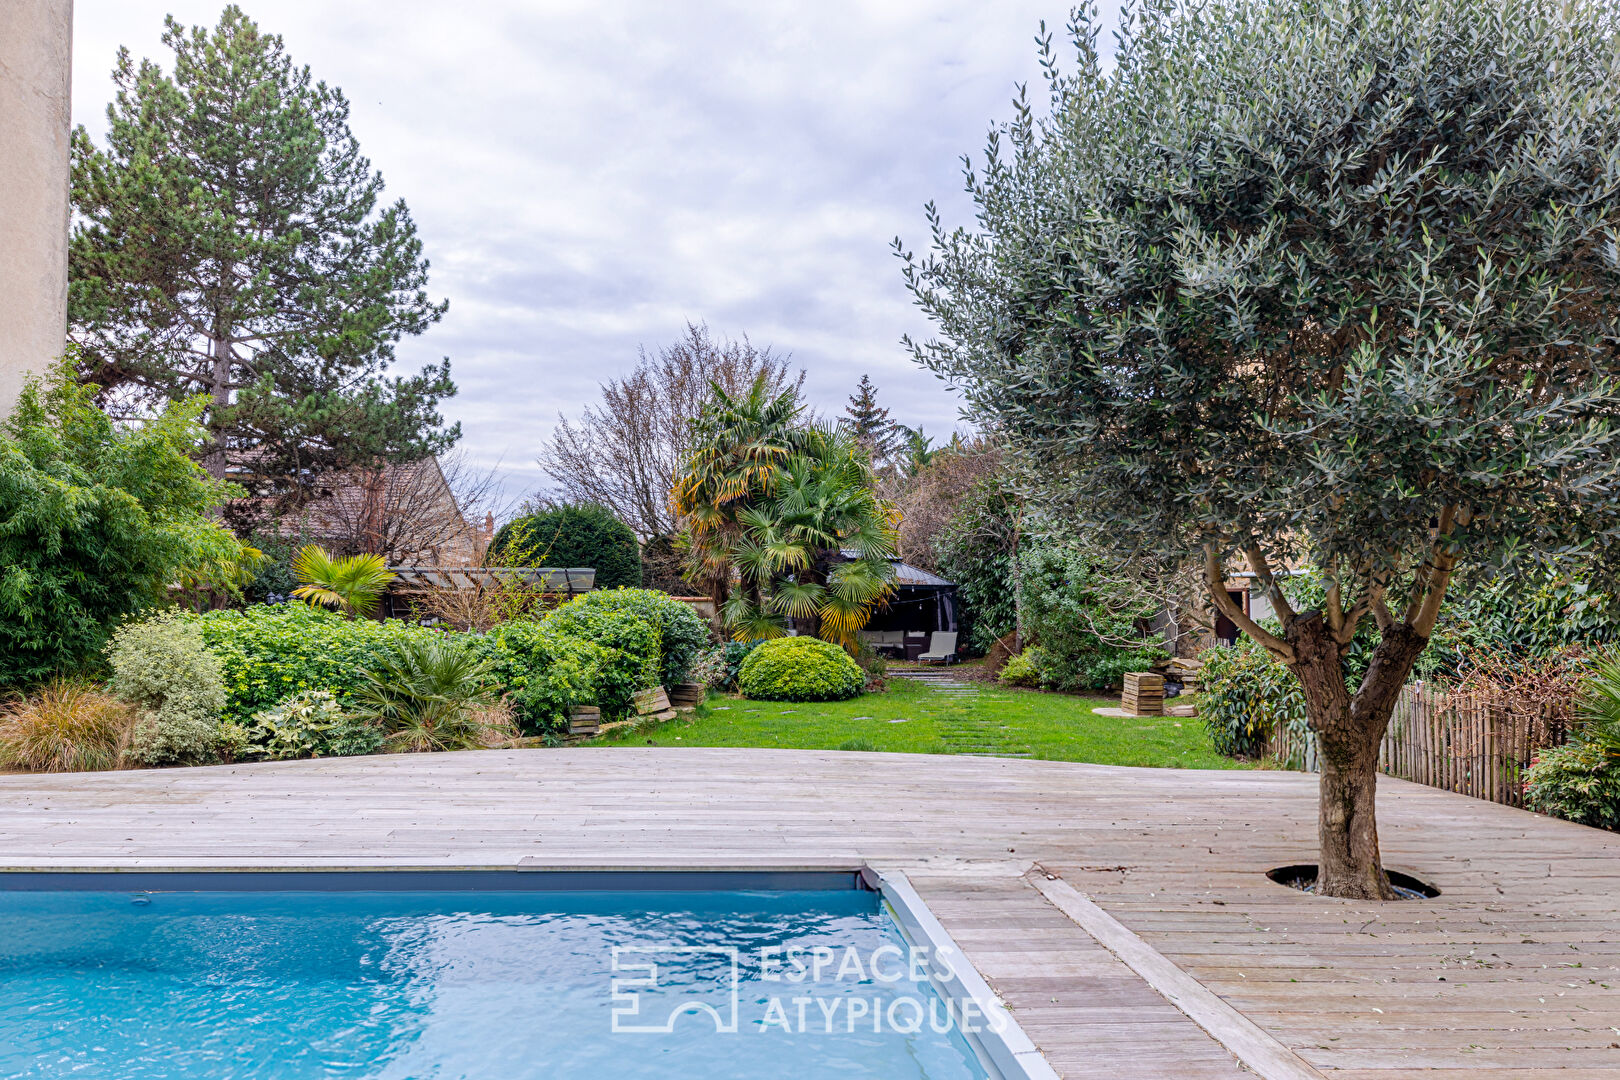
434, 511
623, 452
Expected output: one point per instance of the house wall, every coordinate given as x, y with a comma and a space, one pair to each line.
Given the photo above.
36, 45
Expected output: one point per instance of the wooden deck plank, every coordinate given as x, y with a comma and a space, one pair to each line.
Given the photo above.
1469, 982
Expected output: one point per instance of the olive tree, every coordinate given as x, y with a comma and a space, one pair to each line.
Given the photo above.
1325, 283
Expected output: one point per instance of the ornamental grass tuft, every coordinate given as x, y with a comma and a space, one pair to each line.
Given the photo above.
65, 727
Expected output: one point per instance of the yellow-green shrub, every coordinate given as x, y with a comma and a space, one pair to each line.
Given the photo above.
799, 669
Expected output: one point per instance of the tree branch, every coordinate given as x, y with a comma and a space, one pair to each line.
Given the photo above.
1274, 593
1215, 578
1431, 578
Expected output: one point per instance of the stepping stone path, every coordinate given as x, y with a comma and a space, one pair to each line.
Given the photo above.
939, 679
965, 733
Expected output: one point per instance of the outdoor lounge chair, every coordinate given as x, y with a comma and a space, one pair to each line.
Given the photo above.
941, 648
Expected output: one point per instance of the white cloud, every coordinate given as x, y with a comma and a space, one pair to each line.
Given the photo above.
587, 176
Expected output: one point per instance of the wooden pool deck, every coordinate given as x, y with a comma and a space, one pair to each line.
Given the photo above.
1514, 971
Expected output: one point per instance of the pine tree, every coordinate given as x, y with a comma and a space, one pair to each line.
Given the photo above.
868, 421
229, 245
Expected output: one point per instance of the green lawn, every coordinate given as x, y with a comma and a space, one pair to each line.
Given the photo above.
909, 718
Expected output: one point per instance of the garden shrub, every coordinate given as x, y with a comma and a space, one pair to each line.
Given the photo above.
717, 668
101, 519
799, 669
164, 668
1578, 782
429, 694
1244, 695
586, 534
65, 727
631, 659
544, 672
271, 652
309, 725
682, 633
1025, 669
1089, 626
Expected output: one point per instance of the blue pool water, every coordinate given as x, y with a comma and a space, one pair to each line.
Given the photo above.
499, 985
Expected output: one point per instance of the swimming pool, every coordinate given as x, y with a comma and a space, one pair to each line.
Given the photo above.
444, 976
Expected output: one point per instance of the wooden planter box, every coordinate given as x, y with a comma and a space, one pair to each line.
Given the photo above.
1144, 694
584, 720
687, 695
651, 701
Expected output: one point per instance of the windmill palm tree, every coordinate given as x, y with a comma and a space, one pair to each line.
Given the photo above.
815, 546
353, 584
738, 445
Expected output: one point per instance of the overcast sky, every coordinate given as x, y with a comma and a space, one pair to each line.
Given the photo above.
588, 176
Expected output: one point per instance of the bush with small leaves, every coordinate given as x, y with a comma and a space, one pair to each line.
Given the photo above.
1578, 782
271, 652
1025, 668
544, 673
799, 669
633, 659
308, 725
163, 668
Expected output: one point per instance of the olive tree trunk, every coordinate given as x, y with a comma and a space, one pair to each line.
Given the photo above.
1349, 728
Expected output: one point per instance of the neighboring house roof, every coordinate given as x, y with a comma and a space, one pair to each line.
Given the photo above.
406, 511
905, 573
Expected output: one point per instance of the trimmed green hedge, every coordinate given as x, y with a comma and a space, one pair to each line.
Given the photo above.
272, 651
683, 635
799, 669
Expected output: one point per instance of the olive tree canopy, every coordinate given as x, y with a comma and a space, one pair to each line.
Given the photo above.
1329, 283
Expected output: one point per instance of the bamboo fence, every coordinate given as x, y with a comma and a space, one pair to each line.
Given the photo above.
1476, 744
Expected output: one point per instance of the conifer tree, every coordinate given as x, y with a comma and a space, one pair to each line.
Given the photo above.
868, 421
229, 244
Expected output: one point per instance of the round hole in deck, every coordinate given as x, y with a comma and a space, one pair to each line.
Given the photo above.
1303, 877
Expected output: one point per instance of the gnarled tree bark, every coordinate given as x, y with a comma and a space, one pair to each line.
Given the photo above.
1349, 726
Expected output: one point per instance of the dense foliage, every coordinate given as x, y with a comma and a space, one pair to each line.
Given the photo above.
545, 672
163, 667
799, 669
310, 724
1578, 782
788, 511
1333, 280
631, 659
1089, 630
271, 652
228, 242
977, 549
567, 536
1246, 695
97, 520
682, 632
